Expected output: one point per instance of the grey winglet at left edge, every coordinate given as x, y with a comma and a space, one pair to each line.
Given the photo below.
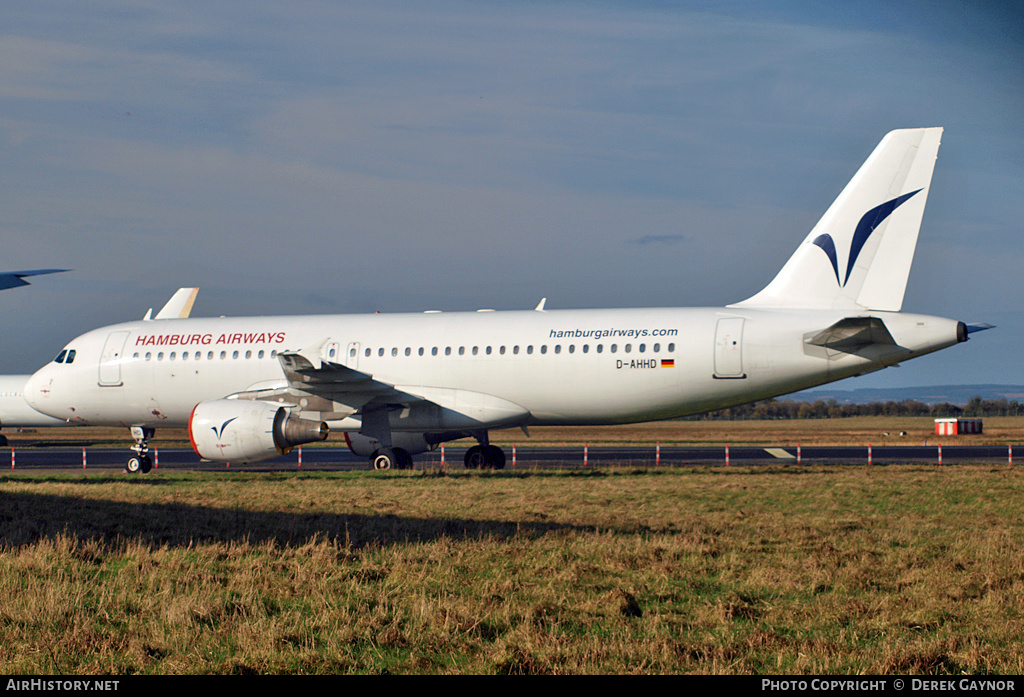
14, 279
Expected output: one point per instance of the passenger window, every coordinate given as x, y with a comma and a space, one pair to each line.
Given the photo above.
613, 348
671, 348
629, 347
656, 348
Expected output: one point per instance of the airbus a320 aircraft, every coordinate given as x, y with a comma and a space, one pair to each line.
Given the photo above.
399, 384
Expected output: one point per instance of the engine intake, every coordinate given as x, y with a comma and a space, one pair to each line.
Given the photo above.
229, 430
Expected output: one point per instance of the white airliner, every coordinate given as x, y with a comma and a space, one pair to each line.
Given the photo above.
399, 384
15, 412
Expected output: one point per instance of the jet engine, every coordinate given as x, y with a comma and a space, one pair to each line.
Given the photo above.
230, 430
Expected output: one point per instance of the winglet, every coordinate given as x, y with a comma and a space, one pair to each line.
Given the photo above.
540, 305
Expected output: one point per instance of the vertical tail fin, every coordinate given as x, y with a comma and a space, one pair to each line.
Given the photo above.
858, 256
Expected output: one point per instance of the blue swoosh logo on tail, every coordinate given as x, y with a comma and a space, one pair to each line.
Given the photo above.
870, 220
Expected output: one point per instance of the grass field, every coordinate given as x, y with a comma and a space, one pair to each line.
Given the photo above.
896, 569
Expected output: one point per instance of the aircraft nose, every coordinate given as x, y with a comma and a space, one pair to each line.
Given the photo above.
38, 390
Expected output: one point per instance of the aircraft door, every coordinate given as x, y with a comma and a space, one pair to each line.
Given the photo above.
332, 352
352, 355
110, 359
729, 348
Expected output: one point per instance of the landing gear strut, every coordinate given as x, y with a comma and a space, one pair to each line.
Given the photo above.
140, 462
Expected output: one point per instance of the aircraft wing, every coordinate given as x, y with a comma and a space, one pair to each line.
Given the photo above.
14, 279
333, 390
339, 383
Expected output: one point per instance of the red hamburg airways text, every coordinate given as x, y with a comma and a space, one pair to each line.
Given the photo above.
208, 339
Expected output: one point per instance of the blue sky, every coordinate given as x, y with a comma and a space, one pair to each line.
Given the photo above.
401, 156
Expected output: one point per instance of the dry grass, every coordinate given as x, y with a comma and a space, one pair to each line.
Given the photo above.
784, 570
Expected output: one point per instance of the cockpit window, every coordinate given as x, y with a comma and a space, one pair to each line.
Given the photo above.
65, 356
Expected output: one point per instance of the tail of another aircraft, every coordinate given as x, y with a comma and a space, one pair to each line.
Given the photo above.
858, 256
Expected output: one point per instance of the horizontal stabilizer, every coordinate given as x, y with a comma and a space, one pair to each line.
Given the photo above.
853, 334
971, 328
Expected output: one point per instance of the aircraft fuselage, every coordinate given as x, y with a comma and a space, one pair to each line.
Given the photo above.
555, 367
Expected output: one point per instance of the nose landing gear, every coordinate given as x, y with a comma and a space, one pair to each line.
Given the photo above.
140, 461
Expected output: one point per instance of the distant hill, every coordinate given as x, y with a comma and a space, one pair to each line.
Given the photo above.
953, 394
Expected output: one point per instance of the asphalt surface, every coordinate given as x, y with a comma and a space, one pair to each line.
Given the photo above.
337, 459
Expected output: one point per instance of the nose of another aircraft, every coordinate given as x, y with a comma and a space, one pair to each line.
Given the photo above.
38, 390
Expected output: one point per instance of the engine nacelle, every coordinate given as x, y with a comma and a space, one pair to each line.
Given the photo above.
232, 430
412, 443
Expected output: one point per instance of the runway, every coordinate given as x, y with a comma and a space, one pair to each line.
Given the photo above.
65, 459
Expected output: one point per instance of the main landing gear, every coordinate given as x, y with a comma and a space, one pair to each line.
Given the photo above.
140, 461
391, 458
485, 456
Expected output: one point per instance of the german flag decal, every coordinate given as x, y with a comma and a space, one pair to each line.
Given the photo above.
668, 363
